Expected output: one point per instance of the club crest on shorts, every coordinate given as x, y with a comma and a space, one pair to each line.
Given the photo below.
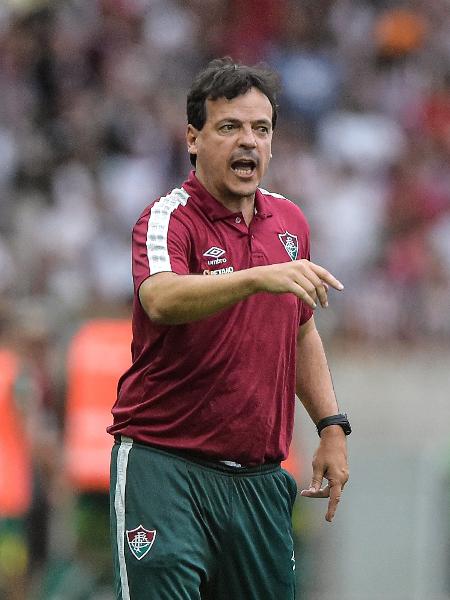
290, 243
140, 540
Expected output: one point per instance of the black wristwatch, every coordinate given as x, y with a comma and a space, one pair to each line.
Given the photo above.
340, 419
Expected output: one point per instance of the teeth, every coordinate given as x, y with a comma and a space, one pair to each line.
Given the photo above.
242, 171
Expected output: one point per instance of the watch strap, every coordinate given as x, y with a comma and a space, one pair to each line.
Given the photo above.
340, 419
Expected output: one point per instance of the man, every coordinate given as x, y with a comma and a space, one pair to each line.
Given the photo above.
223, 337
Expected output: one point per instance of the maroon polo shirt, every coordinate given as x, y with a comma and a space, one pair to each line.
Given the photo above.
222, 387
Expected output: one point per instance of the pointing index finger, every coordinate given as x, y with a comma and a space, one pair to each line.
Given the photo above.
335, 497
327, 277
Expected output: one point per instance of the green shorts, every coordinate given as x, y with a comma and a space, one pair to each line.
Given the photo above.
184, 529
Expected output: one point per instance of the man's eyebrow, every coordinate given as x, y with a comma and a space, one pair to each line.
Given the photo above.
261, 121
229, 120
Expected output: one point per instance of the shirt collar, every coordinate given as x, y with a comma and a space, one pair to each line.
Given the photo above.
213, 209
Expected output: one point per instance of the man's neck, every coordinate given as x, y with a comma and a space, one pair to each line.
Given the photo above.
234, 203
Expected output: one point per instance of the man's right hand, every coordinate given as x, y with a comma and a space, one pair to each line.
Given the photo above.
303, 278
171, 299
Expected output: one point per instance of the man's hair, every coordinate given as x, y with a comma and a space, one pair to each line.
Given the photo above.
223, 78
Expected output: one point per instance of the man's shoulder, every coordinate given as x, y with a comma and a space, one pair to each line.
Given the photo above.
279, 202
273, 194
165, 205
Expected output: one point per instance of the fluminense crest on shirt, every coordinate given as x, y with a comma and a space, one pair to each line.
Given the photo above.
140, 540
290, 243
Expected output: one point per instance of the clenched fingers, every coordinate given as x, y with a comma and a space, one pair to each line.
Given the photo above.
302, 288
315, 286
309, 287
316, 493
315, 489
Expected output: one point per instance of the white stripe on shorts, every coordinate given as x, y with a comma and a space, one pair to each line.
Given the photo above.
119, 506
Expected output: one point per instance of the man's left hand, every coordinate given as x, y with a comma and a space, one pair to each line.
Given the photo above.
330, 462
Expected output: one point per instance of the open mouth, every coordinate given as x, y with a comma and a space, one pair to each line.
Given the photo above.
243, 167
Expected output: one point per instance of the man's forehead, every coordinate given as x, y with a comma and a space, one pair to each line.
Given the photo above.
253, 105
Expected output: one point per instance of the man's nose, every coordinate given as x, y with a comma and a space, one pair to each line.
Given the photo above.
247, 138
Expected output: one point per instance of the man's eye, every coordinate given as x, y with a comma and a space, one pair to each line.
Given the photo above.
227, 127
263, 129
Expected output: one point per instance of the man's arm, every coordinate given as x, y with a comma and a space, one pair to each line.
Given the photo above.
172, 299
315, 390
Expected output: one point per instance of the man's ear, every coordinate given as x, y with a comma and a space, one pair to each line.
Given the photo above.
191, 139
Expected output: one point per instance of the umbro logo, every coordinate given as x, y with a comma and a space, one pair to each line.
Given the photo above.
214, 252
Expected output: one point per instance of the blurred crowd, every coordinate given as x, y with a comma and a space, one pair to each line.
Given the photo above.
92, 122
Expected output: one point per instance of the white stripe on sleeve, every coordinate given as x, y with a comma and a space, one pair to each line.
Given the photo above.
158, 227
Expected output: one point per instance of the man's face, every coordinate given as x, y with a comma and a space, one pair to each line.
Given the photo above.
233, 147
